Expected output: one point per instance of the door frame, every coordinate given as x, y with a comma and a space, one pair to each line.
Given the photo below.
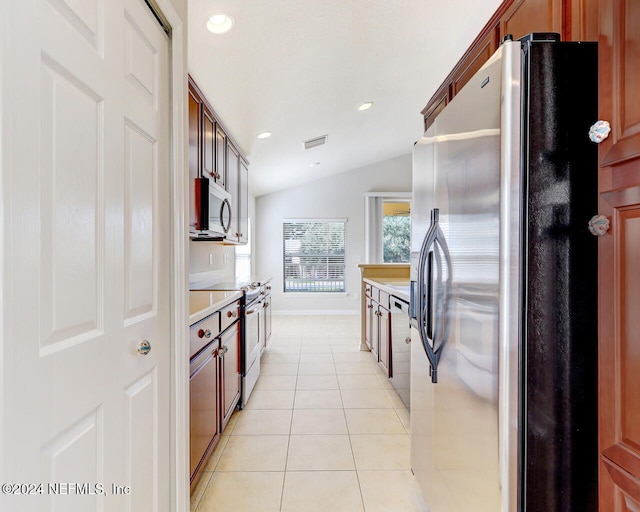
179, 405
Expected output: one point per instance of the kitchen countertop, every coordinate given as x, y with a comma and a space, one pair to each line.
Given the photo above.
204, 302
210, 281
392, 285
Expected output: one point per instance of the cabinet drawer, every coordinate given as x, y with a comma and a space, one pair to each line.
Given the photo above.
229, 315
383, 299
372, 291
203, 332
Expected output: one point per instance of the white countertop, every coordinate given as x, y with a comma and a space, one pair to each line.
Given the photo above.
392, 285
203, 303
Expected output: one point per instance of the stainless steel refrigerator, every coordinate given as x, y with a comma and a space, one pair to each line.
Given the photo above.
504, 287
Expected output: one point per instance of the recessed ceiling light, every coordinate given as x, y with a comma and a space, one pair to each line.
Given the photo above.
220, 23
366, 106
264, 135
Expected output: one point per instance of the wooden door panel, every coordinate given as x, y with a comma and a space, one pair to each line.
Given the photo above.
619, 350
527, 16
622, 488
619, 55
486, 49
208, 145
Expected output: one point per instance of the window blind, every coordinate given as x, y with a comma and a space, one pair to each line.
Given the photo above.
314, 255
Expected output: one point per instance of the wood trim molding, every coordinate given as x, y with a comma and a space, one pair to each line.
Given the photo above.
486, 30
625, 481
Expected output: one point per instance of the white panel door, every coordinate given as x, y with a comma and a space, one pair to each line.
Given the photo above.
85, 257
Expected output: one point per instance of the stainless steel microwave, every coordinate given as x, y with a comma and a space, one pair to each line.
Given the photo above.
213, 208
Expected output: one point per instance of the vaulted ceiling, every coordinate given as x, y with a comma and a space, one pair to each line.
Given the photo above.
300, 68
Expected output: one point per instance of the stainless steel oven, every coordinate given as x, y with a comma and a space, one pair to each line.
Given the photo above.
251, 366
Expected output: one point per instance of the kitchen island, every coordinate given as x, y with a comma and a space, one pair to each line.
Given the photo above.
385, 329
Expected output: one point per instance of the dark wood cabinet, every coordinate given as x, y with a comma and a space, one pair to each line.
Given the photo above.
194, 155
526, 16
204, 415
243, 201
233, 187
214, 155
208, 142
619, 256
481, 54
221, 156
573, 19
436, 105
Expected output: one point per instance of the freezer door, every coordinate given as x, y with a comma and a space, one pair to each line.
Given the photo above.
456, 449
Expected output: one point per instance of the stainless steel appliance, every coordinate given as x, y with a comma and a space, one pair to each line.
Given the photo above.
252, 324
213, 210
399, 376
253, 349
504, 277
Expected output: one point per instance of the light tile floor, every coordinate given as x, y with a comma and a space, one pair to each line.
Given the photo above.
323, 431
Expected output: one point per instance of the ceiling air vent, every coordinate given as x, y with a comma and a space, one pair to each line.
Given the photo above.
315, 142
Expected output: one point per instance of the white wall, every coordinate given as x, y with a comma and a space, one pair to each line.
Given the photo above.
338, 196
219, 258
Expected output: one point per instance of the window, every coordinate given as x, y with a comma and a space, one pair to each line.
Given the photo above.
387, 236
313, 253
396, 232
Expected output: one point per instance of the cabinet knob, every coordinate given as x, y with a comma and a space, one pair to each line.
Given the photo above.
144, 348
407, 340
369, 306
599, 225
599, 131
232, 314
204, 333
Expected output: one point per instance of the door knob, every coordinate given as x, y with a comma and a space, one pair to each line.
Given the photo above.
144, 348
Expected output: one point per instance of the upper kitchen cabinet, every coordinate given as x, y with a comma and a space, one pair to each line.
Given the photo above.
214, 155
572, 19
203, 127
194, 153
221, 154
237, 186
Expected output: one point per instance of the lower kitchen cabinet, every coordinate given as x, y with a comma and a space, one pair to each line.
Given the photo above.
203, 406
215, 381
378, 327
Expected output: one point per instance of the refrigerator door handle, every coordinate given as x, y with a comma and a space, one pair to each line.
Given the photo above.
429, 304
434, 330
441, 334
424, 271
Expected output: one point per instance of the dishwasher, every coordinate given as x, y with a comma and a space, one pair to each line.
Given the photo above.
400, 347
